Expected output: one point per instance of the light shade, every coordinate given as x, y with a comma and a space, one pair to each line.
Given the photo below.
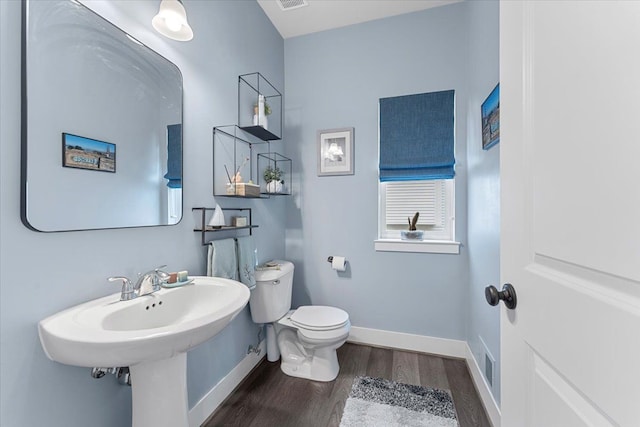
171, 21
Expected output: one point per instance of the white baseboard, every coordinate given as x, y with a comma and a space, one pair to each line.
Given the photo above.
402, 341
490, 404
432, 345
210, 402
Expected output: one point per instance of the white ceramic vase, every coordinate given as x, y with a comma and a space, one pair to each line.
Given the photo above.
274, 187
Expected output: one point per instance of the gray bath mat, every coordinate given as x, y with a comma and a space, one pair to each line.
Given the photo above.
378, 402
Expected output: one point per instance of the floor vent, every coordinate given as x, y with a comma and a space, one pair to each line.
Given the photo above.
489, 363
292, 4
488, 369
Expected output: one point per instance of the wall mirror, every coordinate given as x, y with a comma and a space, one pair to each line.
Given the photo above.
101, 124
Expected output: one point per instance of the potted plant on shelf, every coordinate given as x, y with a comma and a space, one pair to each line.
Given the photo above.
273, 178
413, 233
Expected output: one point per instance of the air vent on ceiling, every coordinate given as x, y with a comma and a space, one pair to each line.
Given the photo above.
292, 4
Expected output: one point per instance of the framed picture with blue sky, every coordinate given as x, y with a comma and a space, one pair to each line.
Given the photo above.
491, 119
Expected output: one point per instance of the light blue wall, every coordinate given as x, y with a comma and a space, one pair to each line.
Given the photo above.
41, 274
334, 79
483, 176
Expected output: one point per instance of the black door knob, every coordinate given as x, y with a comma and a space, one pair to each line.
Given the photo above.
507, 294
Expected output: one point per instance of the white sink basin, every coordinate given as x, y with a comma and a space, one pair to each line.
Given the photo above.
150, 333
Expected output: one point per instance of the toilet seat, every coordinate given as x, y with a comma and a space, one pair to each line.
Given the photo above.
319, 337
319, 318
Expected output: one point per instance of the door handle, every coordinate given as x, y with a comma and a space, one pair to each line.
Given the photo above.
507, 294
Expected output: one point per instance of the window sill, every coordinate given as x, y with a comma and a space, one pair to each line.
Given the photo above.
424, 246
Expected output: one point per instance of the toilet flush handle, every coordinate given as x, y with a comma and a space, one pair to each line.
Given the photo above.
276, 282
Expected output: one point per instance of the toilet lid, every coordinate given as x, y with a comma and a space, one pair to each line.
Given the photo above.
319, 317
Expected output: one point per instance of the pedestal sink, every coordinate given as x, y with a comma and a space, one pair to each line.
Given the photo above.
151, 335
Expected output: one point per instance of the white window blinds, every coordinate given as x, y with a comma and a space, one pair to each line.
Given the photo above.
404, 198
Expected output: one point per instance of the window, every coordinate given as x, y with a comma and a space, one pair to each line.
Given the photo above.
400, 200
174, 205
416, 171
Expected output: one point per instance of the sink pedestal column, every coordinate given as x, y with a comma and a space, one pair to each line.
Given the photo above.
159, 393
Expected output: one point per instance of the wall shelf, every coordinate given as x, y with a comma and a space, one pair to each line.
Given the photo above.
233, 160
234, 156
203, 229
259, 107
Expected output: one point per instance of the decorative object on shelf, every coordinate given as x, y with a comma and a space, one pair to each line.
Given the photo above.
244, 189
235, 185
413, 233
257, 99
239, 221
274, 186
275, 170
335, 152
491, 119
260, 112
273, 178
217, 220
237, 178
171, 21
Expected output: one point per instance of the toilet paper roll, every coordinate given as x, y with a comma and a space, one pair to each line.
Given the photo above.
339, 263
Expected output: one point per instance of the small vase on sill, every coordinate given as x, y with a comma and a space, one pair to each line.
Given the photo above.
411, 234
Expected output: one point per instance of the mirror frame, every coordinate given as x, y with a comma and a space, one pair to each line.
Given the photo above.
25, 114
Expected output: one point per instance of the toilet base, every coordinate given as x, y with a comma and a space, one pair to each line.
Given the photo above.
313, 362
321, 366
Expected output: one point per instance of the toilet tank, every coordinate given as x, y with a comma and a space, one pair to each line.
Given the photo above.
271, 298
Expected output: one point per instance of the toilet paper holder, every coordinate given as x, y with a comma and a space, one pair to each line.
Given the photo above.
338, 263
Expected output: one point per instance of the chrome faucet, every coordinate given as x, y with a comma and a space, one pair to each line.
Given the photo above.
150, 281
147, 283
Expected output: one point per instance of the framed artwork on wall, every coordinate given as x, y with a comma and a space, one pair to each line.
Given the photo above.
335, 152
491, 119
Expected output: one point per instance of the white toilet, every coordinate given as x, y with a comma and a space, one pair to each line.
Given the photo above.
307, 338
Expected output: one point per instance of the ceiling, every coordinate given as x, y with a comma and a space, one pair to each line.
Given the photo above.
320, 15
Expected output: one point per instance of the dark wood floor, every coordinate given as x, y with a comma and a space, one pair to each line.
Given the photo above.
269, 398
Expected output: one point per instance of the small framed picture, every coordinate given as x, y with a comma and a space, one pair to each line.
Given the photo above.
86, 153
335, 152
491, 119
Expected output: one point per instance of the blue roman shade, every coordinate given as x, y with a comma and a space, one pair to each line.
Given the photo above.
417, 137
174, 156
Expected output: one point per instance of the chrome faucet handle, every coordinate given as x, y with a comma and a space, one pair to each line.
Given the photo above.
127, 293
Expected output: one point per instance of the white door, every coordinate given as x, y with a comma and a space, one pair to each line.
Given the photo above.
570, 177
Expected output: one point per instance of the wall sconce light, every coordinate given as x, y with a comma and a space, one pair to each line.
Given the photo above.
171, 21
